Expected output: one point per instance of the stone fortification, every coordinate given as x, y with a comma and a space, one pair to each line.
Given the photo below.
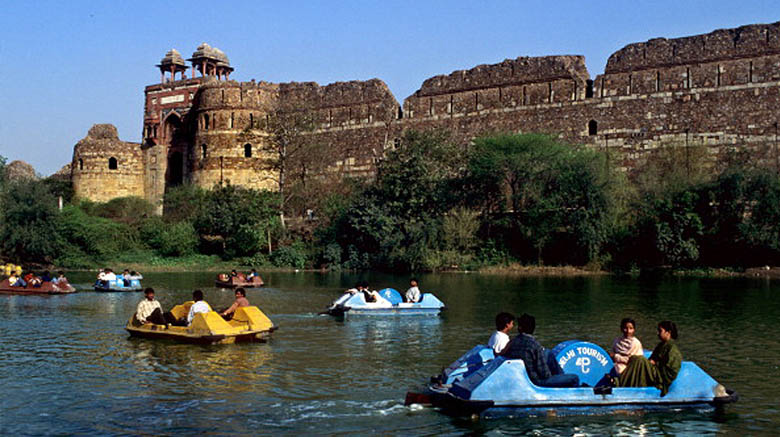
104, 167
720, 90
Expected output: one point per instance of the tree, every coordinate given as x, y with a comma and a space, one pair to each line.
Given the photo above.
29, 231
395, 222
540, 190
240, 217
290, 149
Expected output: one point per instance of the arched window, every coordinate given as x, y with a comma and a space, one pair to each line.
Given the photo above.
206, 121
203, 149
247, 150
81, 164
112, 163
593, 127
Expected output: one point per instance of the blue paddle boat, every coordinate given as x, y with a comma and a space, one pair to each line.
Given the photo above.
388, 303
480, 383
119, 284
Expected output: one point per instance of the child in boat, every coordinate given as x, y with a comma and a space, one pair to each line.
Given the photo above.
623, 348
413, 293
504, 324
663, 366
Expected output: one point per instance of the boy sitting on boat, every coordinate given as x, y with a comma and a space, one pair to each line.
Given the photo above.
504, 324
525, 347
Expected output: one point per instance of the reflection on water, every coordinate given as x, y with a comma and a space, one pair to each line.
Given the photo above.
68, 366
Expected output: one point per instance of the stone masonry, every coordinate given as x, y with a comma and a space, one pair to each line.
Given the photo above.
720, 90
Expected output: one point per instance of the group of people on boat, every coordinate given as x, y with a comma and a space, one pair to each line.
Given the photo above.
16, 279
631, 369
412, 295
150, 310
239, 276
106, 276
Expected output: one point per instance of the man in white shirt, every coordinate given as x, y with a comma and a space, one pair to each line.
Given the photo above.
413, 293
149, 310
200, 306
504, 324
109, 275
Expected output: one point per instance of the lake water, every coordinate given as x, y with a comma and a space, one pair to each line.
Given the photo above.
67, 366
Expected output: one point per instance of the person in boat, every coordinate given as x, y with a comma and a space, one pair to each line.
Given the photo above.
60, 278
367, 294
625, 347
504, 324
535, 357
124, 277
33, 280
46, 276
252, 273
661, 368
200, 306
105, 276
223, 277
241, 301
413, 293
149, 310
134, 275
15, 280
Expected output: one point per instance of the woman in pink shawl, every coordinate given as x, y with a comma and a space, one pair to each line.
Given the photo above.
626, 346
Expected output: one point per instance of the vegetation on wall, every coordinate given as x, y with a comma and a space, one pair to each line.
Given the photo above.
523, 198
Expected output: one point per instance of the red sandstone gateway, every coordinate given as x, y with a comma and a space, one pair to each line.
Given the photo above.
45, 288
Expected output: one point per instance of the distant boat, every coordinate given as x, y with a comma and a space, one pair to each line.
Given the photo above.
236, 281
61, 287
389, 304
119, 284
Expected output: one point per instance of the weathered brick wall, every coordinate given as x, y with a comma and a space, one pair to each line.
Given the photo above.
91, 176
720, 90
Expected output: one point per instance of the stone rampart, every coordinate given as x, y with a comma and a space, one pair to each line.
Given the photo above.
104, 167
720, 90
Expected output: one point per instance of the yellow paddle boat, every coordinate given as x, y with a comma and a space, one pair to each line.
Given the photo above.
248, 324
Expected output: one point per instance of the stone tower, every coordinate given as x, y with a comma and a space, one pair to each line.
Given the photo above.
104, 167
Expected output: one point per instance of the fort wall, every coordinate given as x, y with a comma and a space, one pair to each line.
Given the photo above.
720, 90
104, 167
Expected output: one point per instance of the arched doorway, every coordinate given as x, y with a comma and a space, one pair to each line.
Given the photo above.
175, 169
175, 138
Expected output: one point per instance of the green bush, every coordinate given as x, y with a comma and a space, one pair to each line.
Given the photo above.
169, 239
293, 255
97, 237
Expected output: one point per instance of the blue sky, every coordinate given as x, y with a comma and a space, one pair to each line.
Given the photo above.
65, 65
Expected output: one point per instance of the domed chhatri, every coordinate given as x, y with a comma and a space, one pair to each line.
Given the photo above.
210, 61
172, 62
173, 56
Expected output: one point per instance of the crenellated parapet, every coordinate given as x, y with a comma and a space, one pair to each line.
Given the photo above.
720, 90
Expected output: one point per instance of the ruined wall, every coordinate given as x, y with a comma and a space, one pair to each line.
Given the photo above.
720, 90
94, 174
